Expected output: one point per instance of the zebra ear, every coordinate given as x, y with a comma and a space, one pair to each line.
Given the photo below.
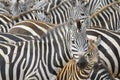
98, 40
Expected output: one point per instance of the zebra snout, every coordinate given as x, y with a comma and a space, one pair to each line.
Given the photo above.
82, 63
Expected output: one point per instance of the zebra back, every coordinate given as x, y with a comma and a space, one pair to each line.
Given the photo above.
31, 15
31, 27
14, 38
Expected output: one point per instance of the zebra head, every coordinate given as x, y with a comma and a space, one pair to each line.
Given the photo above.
78, 12
78, 41
89, 59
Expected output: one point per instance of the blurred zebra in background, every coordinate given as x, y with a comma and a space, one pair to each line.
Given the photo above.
107, 18
42, 15
31, 15
82, 14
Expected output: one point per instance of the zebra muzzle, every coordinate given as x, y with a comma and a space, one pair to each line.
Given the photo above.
82, 63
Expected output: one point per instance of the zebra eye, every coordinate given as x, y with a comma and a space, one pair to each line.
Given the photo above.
89, 55
73, 42
82, 14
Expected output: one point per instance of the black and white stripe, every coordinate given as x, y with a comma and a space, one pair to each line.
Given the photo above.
13, 38
31, 27
108, 18
100, 73
61, 13
97, 71
108, 49
31, 15
36, 59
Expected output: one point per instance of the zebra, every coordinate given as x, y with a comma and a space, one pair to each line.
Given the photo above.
31, 27
32, 14
60, 13
108, 49
4, 18
37, 28
108, 19
114, 69
109, 54
78, 71
40, 59
72, 72
14, 38
4, 10
47, 4
100, 73
36, 14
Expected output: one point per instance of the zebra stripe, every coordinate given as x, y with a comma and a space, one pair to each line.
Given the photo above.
108, 49
4, 11
13, 38
36, 59
61, 13
4, 19
31, 15
72, 72
100, 73
31, 27
107, 19
80, 71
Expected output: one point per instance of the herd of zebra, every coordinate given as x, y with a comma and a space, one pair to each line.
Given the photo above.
59, 40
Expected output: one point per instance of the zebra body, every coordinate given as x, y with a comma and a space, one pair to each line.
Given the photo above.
108, 49
31, 27
107, 19
37, 28
38, 59
61, 13
13, 38
31, 15
100, 73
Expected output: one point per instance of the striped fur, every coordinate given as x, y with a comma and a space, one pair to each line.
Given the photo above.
36, 59
31, 15
108, 18
13, 38
31, 27
80, 71
108, 49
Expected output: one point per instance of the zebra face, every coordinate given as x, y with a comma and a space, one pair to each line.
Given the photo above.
79, 42
90, 57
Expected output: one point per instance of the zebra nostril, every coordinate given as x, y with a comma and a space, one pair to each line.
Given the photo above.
82, 63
